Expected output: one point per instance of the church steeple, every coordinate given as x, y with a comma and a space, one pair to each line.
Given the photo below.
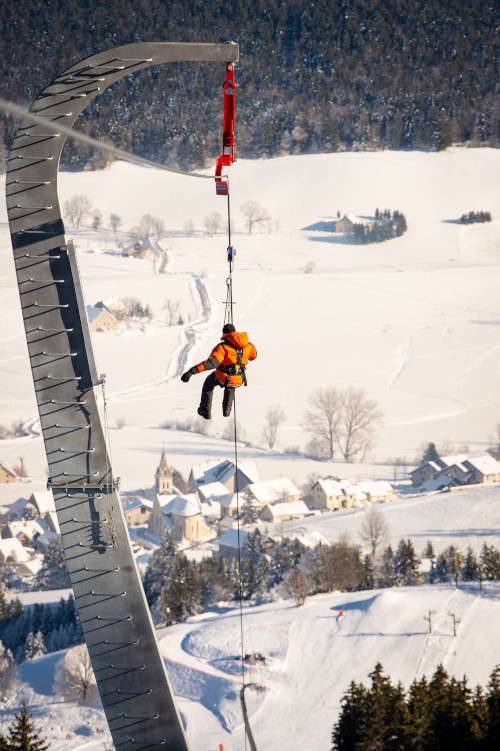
164, 477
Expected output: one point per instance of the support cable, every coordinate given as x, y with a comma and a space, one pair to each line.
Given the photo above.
9, 108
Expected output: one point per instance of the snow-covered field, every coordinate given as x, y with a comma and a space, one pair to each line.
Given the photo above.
414, 322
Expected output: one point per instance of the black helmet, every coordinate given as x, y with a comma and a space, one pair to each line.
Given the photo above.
228, 328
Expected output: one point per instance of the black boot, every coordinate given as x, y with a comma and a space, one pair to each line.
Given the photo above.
227, 401
205, 408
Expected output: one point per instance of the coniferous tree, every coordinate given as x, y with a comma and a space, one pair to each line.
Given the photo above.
160, 567
493, 705
406, 563
54, 571
23, 736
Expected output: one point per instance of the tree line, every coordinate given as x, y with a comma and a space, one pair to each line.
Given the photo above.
475, 216
387, 228
326, 76
443, 713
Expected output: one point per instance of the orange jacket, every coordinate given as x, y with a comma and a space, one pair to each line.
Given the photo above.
224, 358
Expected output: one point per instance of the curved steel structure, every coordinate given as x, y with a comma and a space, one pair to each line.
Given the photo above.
130, 671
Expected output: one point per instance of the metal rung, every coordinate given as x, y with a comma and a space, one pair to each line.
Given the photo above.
124, 667
58, 354
30, 208
102, 571
63, 378
124, 644
107, 594
42, 256
40, 328
32, 158
40, 281
102, 545
148, 743
39, 135
89, 521
78, 451
29, 182
133, 693
67, 94
55, 401
49, 305
101, 618
74, 77
69, 427
91, 474
135, 59
134, 717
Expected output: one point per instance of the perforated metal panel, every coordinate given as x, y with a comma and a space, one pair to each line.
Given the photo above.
130, 672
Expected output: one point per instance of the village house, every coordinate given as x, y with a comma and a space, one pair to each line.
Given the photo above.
272, 491
224, 472
180, 515
137, 512
101, 319
233, 540
430, 469
449, 471
327, 495
26, 531
346, 223
282, 512
11, 549
137, 250
7, 474
375, 491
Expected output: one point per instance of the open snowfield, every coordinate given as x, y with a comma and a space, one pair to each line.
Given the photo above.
413, 322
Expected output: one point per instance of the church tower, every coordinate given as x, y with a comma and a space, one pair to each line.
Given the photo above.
164, 477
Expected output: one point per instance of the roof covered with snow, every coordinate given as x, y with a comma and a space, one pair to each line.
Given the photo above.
485, 464
43, 500
215, 471
273, 490
295, 508
182, 505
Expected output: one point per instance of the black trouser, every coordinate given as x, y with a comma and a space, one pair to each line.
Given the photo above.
207, 394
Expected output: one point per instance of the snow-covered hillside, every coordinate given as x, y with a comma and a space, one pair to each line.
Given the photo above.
412, 321
310, 657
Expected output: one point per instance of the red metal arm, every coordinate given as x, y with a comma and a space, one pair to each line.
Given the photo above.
227, 156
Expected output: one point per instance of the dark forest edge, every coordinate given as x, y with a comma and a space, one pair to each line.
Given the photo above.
313, 78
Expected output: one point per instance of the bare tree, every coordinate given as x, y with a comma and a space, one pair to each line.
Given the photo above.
295, 586
74, 677
275, 416
172, 308
213, 223
136, 233
116, 221
375, 530
152, 226
189, 228
356, 429
96, 220
323, 417
77, 208
255, 215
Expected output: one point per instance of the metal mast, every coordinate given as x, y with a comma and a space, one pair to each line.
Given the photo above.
130, 672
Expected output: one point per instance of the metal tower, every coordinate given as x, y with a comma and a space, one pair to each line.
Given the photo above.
130, 672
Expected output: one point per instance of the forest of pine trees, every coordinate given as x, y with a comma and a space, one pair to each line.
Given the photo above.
313, 77
442, 714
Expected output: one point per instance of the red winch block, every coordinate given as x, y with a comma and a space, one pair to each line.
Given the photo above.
227, 156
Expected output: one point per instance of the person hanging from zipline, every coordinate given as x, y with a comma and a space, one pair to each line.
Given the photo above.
229, 358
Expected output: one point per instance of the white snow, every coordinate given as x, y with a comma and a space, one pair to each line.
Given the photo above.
413, 322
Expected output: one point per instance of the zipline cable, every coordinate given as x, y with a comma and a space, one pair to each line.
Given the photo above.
57, 127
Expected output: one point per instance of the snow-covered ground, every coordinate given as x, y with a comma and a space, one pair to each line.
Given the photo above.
413, 322
310, 658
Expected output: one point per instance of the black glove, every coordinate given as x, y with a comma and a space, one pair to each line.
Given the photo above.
186, 376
